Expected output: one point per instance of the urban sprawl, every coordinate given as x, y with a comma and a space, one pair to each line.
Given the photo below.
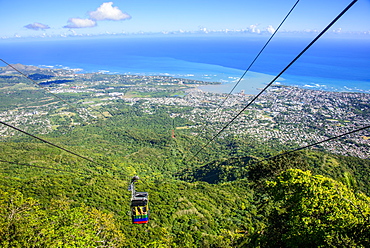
291, 116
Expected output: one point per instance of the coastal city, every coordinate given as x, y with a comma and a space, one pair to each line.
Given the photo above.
288, 116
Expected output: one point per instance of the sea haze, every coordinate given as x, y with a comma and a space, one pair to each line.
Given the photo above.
333, 64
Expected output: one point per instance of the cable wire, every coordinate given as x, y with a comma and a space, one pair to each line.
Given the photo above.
254, 60
301, 148
286, 68
36, 166
90, 174
47, 90
44, 88
45, 141
314, 144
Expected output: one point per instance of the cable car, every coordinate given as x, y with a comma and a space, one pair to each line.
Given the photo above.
139, 204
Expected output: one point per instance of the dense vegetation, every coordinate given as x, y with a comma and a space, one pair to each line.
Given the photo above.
234, 201
226, 196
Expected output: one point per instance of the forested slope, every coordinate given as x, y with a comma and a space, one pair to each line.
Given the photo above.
224, 197
229, 202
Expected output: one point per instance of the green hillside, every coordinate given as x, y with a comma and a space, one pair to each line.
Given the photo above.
230, 202
228, 195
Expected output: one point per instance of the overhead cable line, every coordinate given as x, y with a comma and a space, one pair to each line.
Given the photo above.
47, 90
47, 142
303, 147
317, 143
273, 80
91, 174
36, 166
50, 168
44, 88
254, 60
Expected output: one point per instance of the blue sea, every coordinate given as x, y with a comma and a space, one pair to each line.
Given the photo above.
332, 64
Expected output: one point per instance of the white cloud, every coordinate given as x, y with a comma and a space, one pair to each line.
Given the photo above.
254, 29
80, 23
73, 32
107, 12
37, 26
270, 29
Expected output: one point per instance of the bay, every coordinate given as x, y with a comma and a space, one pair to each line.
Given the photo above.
333, 64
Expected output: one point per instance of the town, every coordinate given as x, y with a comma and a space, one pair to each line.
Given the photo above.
288, 116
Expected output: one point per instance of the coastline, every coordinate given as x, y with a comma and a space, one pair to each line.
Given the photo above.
227, 77
208, 59
222, 79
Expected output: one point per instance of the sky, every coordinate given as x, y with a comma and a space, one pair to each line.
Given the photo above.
38, 18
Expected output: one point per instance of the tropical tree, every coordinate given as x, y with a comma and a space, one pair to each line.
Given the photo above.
315, 211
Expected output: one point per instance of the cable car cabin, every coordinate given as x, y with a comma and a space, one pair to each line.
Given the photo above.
139, 207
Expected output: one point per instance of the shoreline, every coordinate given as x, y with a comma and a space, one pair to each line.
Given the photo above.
215, 59
227, 77
218, 82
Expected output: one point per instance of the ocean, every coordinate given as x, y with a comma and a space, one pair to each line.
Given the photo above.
332, 64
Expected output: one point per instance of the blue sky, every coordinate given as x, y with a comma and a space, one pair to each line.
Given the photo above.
24, 18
